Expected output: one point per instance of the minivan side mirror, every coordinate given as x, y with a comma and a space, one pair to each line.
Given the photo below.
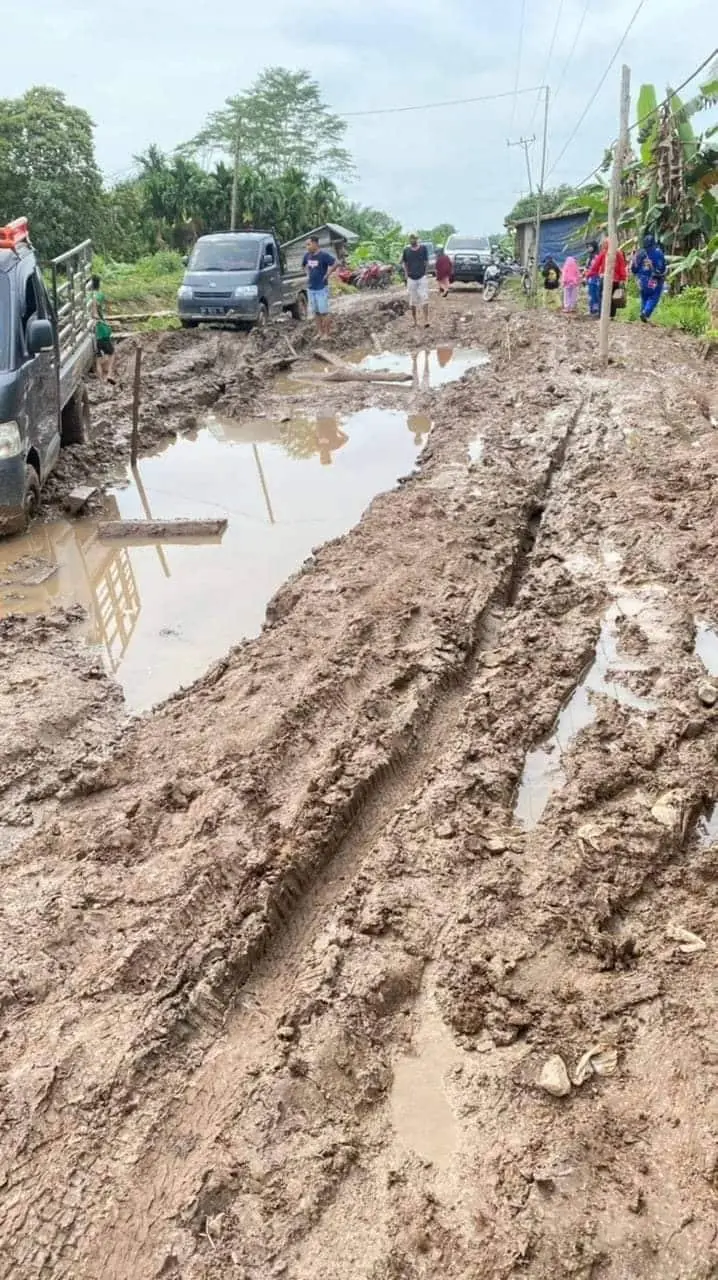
185, 259
39, 336
267, 260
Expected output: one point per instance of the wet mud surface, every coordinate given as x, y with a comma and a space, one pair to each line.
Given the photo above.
284, 961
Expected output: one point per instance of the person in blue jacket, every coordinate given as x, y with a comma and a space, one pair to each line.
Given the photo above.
649, 268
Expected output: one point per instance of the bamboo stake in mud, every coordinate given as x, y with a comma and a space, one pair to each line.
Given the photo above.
134, 443
614, 200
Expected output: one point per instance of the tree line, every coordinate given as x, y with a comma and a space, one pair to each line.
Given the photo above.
271, 157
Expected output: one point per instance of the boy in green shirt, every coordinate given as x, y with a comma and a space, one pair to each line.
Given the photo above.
104, 346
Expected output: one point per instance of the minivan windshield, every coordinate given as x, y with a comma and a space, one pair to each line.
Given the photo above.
231, 253
5, 318
477, 243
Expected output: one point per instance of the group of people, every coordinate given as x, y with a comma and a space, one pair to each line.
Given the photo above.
648, 265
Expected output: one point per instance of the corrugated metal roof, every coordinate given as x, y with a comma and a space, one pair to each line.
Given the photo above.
548, 217
339, 233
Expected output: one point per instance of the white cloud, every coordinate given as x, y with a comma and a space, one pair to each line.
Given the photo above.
150, 71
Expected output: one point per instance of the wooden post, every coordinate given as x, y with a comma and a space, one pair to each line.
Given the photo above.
614, 200
134, 443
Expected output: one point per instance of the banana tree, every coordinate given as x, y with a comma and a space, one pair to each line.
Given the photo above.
666, 186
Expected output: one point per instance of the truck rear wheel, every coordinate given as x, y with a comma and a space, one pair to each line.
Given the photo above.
300, 308
76, 418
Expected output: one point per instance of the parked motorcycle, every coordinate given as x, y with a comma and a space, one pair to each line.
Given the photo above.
492, 281
375, 276
348, 275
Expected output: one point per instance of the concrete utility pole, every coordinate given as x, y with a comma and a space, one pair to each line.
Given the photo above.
614, 200
525, 143
539, 195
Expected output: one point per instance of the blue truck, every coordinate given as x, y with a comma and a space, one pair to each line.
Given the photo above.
46, 350
238, 278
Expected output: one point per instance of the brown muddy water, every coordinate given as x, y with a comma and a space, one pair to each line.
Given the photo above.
543, 773
162, 613
429, 368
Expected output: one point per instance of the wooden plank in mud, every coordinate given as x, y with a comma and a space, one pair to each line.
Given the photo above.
160, 530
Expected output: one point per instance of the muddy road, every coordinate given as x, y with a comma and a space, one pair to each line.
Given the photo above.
289, 964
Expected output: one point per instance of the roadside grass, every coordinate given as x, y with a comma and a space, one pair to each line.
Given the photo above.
150, 284
687, 311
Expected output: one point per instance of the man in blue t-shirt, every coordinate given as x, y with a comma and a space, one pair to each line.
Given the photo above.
319, 266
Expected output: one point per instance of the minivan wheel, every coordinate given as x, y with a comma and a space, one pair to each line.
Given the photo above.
189, 324
301, 307
76, 418
31, 501
262, 316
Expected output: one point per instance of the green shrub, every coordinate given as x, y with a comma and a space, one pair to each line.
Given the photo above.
687, 310
150, 284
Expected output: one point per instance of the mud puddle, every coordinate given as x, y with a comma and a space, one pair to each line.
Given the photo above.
429, 368
475, 450
162, 613
708, 828
424, 1119
543, 772
706, 647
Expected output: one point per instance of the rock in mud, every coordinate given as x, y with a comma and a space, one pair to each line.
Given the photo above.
708, 693
554, 1077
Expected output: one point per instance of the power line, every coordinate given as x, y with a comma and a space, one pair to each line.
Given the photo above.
597, 90
431, 106
637, 124
518, 61
547, 67
572, 50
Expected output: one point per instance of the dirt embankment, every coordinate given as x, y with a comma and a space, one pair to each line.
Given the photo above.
281, 983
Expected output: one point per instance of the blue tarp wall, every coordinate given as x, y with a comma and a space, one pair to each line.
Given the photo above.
561, 237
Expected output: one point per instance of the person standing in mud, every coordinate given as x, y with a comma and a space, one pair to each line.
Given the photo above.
319, 266
444, 272
597, 271
415, 261
104, 346
593, 286
551, 273
649, 268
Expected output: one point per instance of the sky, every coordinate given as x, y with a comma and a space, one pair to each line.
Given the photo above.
151, 71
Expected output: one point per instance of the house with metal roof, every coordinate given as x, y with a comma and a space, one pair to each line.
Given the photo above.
330, 236
561, 235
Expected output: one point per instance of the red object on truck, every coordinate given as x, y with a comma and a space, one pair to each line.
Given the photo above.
14, 233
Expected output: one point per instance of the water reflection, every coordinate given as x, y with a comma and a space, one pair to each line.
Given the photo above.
163, 612
429, 368
65, 562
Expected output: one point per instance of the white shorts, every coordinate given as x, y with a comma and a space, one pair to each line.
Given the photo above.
418, 292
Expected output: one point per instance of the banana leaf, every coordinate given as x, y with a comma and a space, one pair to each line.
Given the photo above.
684, 128
647, 120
